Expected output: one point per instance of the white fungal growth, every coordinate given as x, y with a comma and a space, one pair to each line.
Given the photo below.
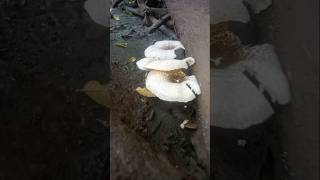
163, 49
148, 64
160, 59
158, 83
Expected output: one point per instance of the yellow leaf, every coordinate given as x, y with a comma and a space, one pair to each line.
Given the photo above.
132, 59
144, 92
98, 92
176, 76
116, 17
122, 44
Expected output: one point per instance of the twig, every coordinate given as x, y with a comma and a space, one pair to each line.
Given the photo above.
142, 4
158, 12
164, 29
160, 22
135, 11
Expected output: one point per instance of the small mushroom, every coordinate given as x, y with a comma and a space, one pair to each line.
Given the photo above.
165, 49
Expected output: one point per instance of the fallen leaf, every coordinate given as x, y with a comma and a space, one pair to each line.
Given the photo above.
182, 125
176, 76
188, 124
98, 92
191, 125
122, 44
132, 59
116, 17
144, 92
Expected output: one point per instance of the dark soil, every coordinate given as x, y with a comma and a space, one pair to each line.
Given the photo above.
48, 50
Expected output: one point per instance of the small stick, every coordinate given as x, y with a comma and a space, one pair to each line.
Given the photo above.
164, 29
160, 22
135, 11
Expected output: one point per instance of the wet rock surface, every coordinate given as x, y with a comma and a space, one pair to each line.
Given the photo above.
48, 50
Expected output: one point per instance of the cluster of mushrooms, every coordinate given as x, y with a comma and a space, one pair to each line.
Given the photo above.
165, 63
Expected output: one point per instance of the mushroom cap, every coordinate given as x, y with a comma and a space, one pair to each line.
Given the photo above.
158, 83
144, 61
148, 64
165, 49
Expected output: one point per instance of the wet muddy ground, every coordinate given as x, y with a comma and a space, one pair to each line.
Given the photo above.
48, 130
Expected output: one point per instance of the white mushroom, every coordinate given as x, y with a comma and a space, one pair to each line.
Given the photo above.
160, 85
164, 49
148, 64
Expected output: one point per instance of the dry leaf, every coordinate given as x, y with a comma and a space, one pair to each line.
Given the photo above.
116, 17
98, 92
144, 92
176, 76
122, 44
132, 59
191, 125
182, 125
188, 124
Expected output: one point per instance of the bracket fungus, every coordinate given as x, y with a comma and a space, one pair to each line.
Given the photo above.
165, 50
166, 80
165, 64
161, 86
